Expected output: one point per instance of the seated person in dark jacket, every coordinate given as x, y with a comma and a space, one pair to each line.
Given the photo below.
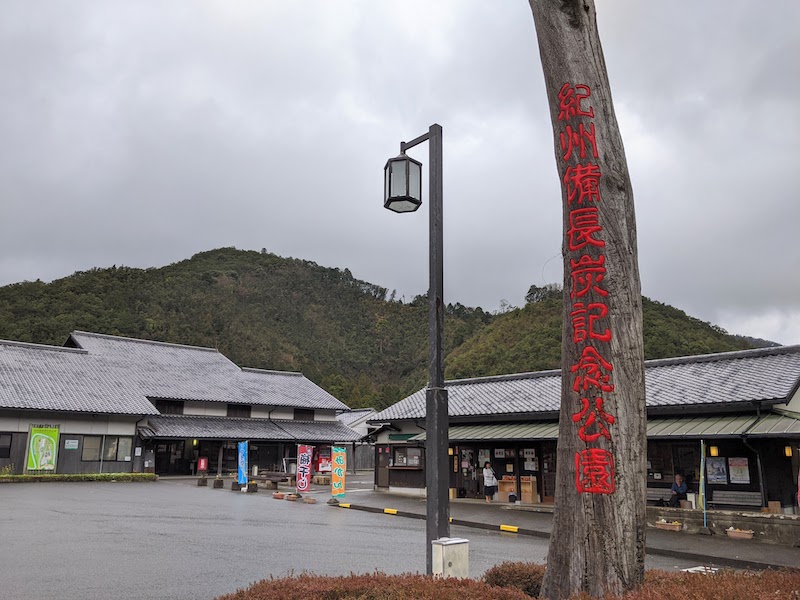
679, 490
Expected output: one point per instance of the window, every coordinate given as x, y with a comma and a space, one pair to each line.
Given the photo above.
110, 448
303, 414
91, 447
168, 407
408, 457
114, 449
124, 448
5, 445
239, 410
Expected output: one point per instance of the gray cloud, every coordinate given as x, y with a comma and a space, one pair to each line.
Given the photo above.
138, 134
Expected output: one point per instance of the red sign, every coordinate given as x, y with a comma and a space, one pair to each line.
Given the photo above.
592, 374
202, 464
304, 471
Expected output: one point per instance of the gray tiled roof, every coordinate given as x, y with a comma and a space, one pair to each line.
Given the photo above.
188, 426
281, 388
769, 374
162, 370
193, 373
110, 374
352, 417
52, 378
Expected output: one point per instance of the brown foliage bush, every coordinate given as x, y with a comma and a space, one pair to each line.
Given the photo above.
519, 581
725, 585
373, 587
521, 575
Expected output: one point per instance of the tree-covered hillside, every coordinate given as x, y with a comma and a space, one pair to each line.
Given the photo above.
529, 338
265, 311
259, 309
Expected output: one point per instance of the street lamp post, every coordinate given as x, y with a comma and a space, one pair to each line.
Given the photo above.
403, 193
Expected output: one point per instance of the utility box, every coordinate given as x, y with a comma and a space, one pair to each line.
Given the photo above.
451, 557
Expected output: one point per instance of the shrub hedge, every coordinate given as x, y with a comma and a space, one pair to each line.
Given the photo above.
511, 581
376, 586
663, 585
79, 477
521, 575
725, 585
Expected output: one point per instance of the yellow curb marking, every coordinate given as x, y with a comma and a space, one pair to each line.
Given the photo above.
390, 511
510, 528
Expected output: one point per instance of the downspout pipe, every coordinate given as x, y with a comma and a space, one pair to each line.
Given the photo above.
760, 471
758, 460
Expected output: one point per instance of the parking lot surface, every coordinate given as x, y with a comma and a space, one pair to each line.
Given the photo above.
174, 540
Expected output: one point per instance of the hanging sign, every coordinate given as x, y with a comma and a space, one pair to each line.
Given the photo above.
242, 472
716, 470
202, 464
42, 448
304, 459
739, 470
339, 461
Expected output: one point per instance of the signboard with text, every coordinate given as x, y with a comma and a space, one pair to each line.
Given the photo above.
202, 464
304, 459
242, 471
42, 448
338, 470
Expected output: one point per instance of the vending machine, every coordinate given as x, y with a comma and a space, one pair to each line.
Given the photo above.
322, 464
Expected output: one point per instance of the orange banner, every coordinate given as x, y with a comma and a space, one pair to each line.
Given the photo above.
338, 470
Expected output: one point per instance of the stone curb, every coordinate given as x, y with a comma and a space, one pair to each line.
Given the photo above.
734, 563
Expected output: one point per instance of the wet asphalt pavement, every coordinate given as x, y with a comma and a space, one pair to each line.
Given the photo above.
173, 540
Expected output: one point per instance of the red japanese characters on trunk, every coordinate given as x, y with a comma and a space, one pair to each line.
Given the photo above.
594, 466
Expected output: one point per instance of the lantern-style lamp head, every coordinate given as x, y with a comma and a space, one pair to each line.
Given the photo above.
402, 184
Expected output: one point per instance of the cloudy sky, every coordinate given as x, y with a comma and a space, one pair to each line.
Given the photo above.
139, 133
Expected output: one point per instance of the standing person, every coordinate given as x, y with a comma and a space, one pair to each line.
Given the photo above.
679, 490
489, 482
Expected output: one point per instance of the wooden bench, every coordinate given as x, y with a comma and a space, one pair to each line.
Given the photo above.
276, 479
735, 498
659, 494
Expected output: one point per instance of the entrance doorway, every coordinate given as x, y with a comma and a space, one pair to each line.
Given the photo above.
170, 458
548, 472
382, 480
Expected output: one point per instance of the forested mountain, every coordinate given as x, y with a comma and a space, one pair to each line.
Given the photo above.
529, 338
259, 309
265, 311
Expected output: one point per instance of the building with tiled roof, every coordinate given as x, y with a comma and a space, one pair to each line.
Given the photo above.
105, 403
743, 406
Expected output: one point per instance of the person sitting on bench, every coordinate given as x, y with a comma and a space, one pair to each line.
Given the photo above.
679, 490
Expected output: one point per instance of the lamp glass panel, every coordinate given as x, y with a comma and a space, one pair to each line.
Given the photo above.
402, 206
385, 184
398, 178
414, 180
787, 451
713, 450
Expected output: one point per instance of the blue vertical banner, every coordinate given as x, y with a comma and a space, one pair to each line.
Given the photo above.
242, 475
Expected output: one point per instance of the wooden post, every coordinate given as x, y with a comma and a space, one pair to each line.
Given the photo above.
219, 458
598, 538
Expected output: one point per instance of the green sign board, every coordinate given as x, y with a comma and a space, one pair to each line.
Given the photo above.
42, 448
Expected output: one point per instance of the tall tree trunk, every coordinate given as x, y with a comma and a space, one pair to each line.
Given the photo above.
598, 539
